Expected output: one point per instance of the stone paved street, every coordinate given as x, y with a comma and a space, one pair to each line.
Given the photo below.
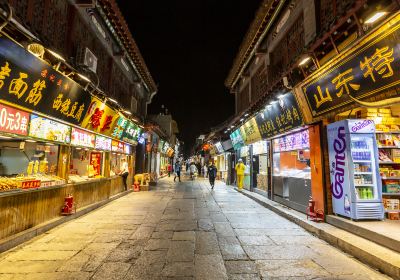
181, 231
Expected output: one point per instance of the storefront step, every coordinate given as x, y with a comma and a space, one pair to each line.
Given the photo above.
384, 259
385, 233
24, 236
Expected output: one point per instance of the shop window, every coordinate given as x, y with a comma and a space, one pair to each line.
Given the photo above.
86, 164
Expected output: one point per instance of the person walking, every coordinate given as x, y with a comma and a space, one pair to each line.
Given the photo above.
240, 167
124, 172
177, 171
212, 174
169, 168
193, 171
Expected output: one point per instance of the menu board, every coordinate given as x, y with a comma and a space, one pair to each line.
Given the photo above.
117, 146
131, 133
260, 147
13, 120
82, 138
49, 130
103, 143
295, 141
32, 83
95, 161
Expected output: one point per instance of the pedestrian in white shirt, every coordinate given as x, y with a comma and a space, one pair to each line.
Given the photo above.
124, 172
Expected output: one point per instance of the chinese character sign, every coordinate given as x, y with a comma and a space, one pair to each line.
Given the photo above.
31, 83
100, 118
371, 67
279, 117
131, 133
119, 127
82, 138
117, 146
250, 132
13, 120
296, 141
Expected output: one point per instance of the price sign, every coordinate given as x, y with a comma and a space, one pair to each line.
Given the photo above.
13, 120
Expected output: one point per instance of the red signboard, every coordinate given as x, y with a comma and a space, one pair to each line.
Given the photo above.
13, 120
95, 161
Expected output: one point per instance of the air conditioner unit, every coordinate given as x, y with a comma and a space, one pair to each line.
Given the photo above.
87, 58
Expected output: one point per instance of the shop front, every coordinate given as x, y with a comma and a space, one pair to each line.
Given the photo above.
55, 140
262, 167
355, 95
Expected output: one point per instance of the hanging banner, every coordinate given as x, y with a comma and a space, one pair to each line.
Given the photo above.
250, 132
131, 133
100, 118
49, 130
237, 140
31, 83
13, 120
370, 67
279, 117
82, 138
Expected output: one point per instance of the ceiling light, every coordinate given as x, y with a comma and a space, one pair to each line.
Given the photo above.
127, 112
56, 55
112, 100
29, 140
246, 114
5, 137
84, 77
375, 17
232, 126
281, 96
77, 148
241, 119
304, 61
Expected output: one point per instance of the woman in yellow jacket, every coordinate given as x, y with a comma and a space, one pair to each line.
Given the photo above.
240, 167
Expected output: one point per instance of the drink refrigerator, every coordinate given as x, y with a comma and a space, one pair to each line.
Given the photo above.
354, 170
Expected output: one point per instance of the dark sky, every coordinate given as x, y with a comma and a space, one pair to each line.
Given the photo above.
189, 47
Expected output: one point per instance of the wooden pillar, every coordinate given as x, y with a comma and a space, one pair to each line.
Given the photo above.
63, 161
107, 164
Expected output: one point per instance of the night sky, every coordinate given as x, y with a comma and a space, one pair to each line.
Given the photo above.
189, 48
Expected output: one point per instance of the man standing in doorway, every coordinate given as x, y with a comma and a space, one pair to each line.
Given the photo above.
240, 167
124, 172
212, 174
177, 171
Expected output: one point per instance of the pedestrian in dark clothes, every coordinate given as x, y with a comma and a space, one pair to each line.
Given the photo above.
212, 174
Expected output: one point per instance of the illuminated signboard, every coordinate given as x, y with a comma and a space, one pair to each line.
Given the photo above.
249, 131
219, 147
82, 138
100, 118
131, 133
49, 130
32, 83
260, 147
103, 143
237, 140
128, 149
165, 148
295, 141
13, 120
117, 146
119, 127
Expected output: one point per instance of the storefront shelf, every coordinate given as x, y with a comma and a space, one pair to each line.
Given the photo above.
358, 173
391, 194
388, 162
388, 147
361, 160
363, 185
390, 178
387, 211
387, 132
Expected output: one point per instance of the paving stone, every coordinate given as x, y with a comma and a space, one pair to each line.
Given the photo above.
205, 224
181, 251
244, 277
209, 267
157, 244
288, 268
184, 236
256, 240
53, 276
278, 252
224, 229
233, 252
121, 254
40, 255
241, 267
206, 243
162, 235
228, 240
29, 266
175, 269
142, 233
112, 271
